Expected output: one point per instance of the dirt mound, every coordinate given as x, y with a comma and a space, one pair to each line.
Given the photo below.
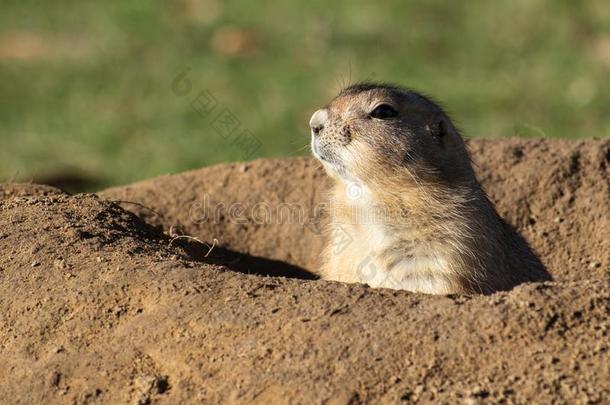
101, 305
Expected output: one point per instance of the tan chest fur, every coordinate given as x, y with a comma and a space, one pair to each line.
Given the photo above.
367, 246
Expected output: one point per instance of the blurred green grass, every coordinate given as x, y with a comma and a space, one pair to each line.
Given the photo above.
86, 87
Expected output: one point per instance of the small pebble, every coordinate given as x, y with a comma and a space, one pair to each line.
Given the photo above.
59, 264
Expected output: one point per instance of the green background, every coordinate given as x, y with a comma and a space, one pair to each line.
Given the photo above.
86, 87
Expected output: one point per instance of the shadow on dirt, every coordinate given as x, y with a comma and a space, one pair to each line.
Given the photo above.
247, 264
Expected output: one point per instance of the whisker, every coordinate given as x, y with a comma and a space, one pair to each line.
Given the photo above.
304, 147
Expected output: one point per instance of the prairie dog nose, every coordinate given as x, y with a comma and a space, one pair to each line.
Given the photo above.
318, 120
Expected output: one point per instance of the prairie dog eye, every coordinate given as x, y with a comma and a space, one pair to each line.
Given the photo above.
383, 112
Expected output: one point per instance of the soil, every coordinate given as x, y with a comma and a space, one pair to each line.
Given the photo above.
201, 286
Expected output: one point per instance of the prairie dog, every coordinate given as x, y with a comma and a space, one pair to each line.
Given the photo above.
406, 199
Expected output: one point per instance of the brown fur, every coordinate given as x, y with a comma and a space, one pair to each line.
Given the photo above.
407, 201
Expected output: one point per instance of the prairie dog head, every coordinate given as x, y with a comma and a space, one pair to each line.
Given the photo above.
375, 134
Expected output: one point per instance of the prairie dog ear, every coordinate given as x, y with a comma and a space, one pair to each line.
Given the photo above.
444, 131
